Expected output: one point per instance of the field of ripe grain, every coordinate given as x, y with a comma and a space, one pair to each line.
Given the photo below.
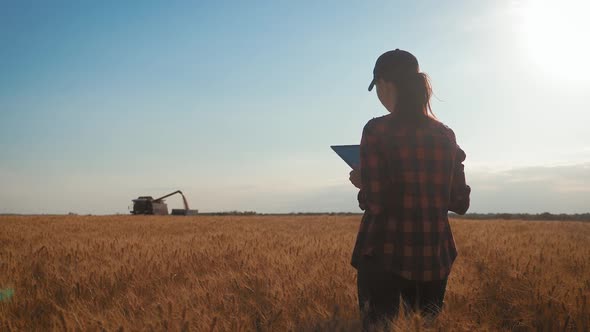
273, 273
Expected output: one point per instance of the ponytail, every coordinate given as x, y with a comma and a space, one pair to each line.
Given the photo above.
413, 97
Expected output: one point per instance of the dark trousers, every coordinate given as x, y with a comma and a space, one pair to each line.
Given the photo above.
379, 295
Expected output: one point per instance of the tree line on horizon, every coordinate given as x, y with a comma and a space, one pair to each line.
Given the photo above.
525, 216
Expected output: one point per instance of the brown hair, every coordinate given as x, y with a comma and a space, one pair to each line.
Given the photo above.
413, 96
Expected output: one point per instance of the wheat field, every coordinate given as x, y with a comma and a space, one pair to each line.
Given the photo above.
272, 273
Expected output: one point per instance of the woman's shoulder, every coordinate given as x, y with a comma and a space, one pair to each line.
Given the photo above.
380, 119
442, 128
378, 123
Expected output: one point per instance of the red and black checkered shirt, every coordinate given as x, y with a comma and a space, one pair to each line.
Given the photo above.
411, 177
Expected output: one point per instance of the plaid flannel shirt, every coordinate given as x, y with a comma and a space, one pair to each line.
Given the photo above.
411, 178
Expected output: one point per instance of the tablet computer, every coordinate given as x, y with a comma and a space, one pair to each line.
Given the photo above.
351, 154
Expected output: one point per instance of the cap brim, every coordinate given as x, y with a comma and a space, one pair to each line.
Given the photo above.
372, 85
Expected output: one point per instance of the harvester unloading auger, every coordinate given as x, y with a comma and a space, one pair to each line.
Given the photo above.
148, 205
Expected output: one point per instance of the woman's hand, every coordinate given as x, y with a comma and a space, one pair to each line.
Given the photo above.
355, 178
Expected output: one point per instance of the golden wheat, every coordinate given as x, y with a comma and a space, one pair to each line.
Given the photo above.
273, 273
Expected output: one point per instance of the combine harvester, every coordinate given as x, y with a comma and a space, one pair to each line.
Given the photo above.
148, 205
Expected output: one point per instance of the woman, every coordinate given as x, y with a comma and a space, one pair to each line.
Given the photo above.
411, 175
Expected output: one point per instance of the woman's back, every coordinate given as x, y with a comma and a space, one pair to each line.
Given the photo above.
421, 162
411, 175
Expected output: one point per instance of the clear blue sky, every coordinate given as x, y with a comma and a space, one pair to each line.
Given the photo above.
237, 103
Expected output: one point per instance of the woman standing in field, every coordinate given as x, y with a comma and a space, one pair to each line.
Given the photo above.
411, 175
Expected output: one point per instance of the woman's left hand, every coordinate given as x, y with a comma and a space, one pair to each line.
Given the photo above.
355, 178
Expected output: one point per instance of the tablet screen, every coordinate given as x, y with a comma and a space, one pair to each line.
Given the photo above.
351, 154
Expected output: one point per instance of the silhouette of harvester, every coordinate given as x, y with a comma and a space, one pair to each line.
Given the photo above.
148, 205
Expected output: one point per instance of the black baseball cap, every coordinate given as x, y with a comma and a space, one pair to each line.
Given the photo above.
393, 63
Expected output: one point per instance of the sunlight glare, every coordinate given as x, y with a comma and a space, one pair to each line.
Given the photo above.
555, 34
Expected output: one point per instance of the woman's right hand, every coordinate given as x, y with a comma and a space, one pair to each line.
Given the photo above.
355, 178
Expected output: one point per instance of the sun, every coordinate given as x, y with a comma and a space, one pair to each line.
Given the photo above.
556, 34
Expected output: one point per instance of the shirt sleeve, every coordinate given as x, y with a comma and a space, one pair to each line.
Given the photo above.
460, 191
373, 172
362, 201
